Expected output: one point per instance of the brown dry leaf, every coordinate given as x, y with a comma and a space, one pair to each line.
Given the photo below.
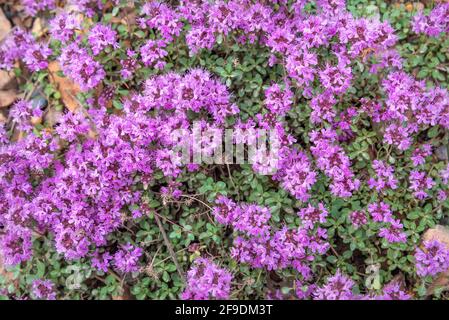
7, 97
67, 88
5, 25
441, 234
38, 27
7, 80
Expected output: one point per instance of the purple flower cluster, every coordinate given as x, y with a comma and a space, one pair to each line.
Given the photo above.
20, 44
77, 58
81, 180
335, 79
432, 259
199, 38
393, 232
73, 126
206, 280
277, 99
36, 57
171, 191
247, 218
261, 247
225, 210
197, 90
420, 183
160, 16
300, 64
126, 259
32, 7
295, 174
64, 26
43, 290
344, 124
251, 219
102, 261
385, 177
331, 158
380, 212
129, 64
409, 105
393, 291
340, 287
92, 188
392, 229
16, 245
403, 94
322, 106
100, 37
358, 218
152, 53
398, 135
433, 24
419, 154
78, 64
311, 215
22, 112
284, 248
337, 287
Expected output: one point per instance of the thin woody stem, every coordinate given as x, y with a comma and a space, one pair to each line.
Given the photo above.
169, 247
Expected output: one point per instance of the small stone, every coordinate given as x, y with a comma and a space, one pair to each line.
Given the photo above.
441, 153
38, 102
439, 233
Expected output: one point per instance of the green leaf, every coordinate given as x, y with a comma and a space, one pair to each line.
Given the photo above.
433, 132
115, 11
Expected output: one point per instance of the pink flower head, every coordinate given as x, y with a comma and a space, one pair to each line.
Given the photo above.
420, 183
44, 289
432, 259
127, 258
337, 287
100, 37
205, 280
311, 215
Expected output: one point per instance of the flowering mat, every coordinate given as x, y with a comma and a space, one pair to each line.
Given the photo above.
224, 149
